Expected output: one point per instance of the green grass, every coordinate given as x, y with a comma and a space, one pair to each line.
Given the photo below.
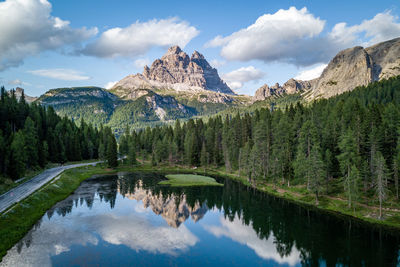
15, 223
178, 180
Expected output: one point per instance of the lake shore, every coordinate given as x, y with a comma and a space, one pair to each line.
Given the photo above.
21, 218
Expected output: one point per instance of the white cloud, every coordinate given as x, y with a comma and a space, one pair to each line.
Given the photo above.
61, 74
18, 82
217, 63
382, 27
312, 73
272, 37
236, 78
296, 36
141, 62
109, 85
27, 28
245, 234
140, 37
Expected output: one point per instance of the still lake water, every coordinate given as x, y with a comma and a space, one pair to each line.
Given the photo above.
128, 220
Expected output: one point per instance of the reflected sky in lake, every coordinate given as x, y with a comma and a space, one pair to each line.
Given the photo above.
128, 220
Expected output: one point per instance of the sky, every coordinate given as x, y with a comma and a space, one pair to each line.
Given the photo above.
51, 44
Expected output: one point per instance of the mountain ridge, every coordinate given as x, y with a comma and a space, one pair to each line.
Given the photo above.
175, 70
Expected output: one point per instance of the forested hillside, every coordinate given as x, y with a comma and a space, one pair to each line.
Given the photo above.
346, 145
32, 136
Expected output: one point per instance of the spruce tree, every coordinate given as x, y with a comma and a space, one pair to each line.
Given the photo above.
31, 143
317, 169
18, 156
132, 152
381, 176
203, 156
112, 156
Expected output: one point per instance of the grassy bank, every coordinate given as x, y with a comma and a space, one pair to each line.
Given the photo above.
19, 220
179, 180
7, 184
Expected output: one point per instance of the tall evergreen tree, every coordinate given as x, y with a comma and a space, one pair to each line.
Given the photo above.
381, 175
112, 155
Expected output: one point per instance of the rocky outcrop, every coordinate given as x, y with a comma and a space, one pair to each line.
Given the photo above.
358, 67
292, 86
350, 68
18, 93
175, 70
347, 70
386, 59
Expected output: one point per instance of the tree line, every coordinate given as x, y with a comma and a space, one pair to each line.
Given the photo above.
32, 136
347, 144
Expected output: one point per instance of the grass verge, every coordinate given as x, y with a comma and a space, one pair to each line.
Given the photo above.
179, 180
19, 219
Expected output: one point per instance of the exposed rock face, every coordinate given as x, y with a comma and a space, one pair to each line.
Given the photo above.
175, 70
18, 94
174, 209
292, 86
75, 94
348, 69
386, 59
358, 67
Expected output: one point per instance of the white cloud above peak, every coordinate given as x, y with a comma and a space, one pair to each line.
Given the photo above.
271, 37
60, 74
140, 37
309, 74
27, 28
236, 78
297, 37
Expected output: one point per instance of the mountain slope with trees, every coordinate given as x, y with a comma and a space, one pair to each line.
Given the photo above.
32, 135
344, 146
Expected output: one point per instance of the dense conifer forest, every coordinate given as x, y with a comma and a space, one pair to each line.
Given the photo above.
31, 136
347, 144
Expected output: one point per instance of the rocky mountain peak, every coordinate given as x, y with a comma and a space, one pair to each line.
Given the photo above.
174, 50
176, 70
292, 86
197, 55
18, 93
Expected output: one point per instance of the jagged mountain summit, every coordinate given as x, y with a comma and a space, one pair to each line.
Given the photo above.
175, 70
18, 93
292, 86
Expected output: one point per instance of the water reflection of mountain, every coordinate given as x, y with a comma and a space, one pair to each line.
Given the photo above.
317, 236
173, 208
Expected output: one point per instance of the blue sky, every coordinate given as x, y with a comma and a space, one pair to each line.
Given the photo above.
61, 43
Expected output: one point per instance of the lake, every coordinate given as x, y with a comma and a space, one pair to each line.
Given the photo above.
130, 220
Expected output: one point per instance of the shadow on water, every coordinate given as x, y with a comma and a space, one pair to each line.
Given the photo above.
321, 239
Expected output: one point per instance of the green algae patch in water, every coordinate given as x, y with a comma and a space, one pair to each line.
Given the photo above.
179, 180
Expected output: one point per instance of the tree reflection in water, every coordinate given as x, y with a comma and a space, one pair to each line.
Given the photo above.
249, 217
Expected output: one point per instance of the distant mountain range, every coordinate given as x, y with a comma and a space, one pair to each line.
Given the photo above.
177, 86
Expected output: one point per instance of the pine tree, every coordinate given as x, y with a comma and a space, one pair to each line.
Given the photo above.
31, 143
18, 156
317, 169
112, 156
381, 175
351, 186
132, 152
203, 156
348, 159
